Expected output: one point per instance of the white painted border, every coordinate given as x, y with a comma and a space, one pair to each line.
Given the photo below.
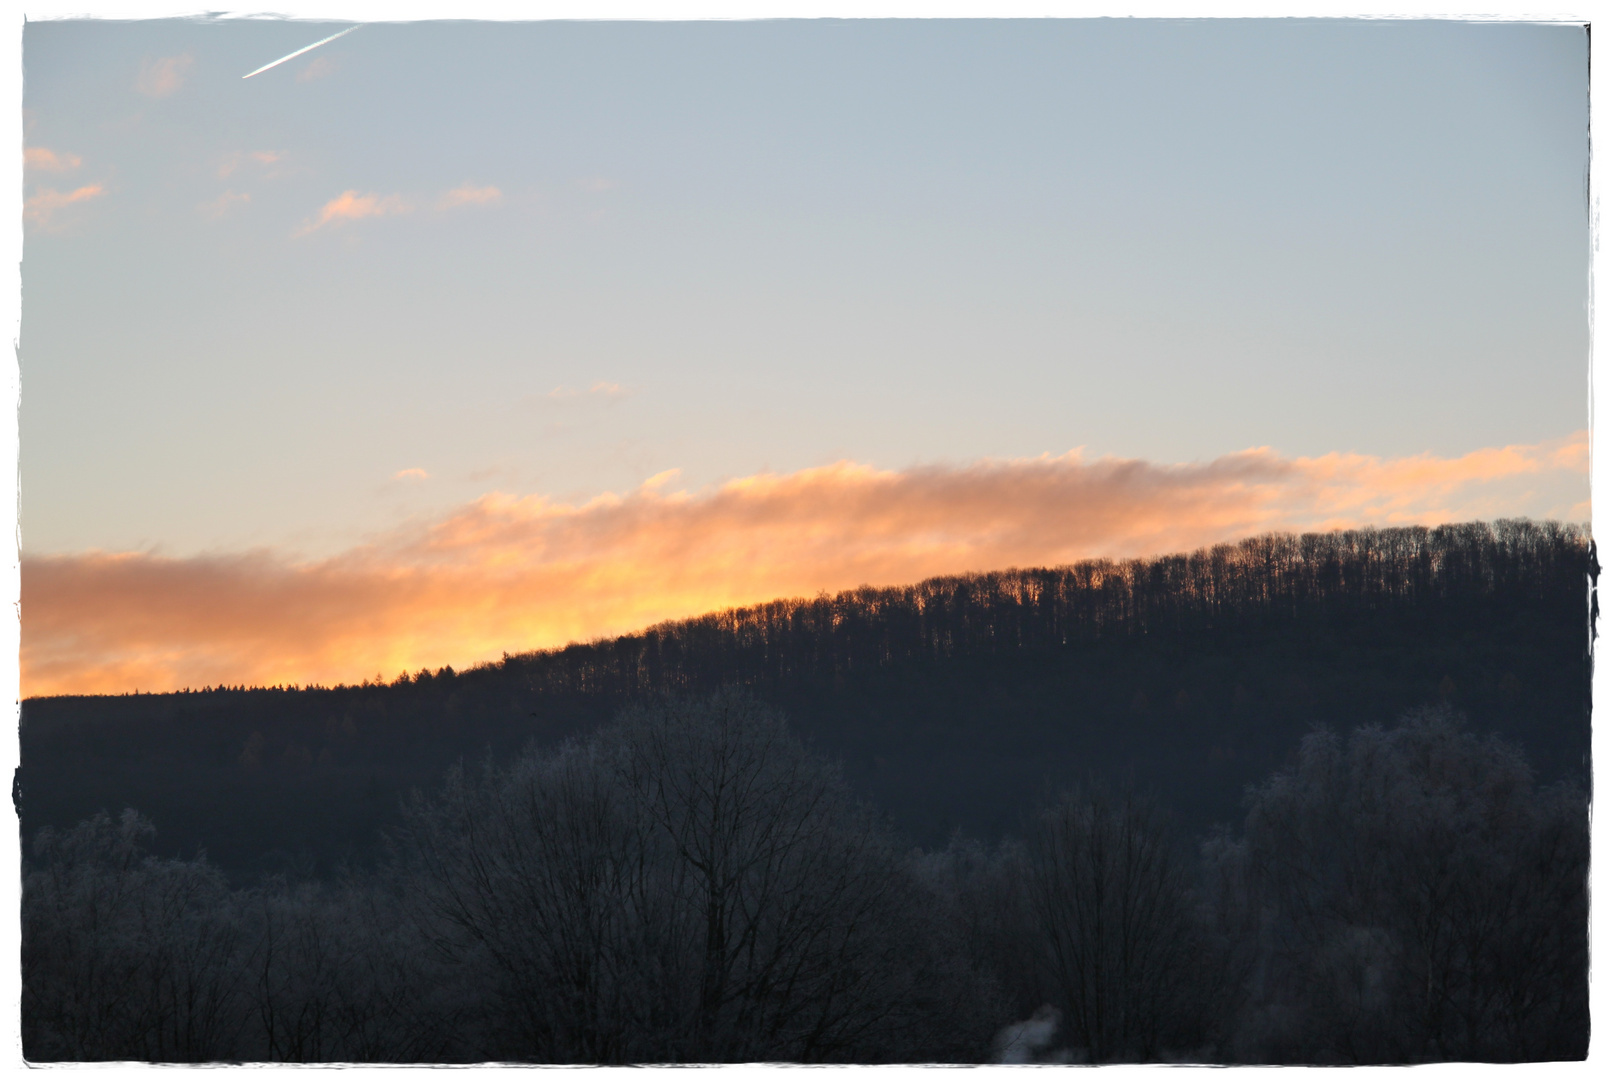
407, 10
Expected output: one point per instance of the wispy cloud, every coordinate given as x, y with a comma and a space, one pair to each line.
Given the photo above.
351, 206
221, 206
411, 474
41, 207
317, 68
661, 479
508, 573
43, 159
607, 391
162, 77
467, 194
234, 161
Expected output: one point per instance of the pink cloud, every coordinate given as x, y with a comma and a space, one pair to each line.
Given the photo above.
221, 206
317, 68
162, 77
351, 206
42, 159
608, 391
41, 207
235, 160
467, 194
512, 573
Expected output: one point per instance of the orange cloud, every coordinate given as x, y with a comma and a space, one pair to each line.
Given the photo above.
467, 194
411, 474
509, 573
161, 77
351, 206
42, 206
41, 159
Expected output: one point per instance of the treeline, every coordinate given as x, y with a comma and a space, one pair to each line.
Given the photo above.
951, 703
690, 883
1263, 581
1253, 585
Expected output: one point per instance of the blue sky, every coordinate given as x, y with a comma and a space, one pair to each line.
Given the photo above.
453, 338
773, 246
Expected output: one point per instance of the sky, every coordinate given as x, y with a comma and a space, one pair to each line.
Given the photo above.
449, 339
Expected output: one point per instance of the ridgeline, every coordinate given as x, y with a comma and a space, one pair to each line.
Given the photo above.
951, 704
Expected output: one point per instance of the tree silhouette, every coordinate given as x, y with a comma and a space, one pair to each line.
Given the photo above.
689, 885
1409, 896
126, 956
1111, 900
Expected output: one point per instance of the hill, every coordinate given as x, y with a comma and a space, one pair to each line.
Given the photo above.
952, 703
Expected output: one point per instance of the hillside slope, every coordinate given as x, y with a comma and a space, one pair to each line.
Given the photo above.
953, 703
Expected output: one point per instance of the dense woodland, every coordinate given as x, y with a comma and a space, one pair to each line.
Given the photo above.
954, 703
1314, 798
691, 884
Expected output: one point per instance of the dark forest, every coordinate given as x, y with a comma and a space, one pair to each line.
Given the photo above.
1315, 798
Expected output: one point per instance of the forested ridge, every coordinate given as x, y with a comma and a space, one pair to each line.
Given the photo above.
1259, 583
1299, 799
950, 702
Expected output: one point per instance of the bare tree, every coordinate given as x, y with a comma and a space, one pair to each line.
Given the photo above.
126, 956
1111, 901
790, 894
335, 974
690, 885
539, 874
982, 894
1412, 898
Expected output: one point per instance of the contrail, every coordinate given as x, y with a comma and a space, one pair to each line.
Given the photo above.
298, 53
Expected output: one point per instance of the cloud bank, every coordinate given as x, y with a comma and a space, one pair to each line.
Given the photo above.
512, 573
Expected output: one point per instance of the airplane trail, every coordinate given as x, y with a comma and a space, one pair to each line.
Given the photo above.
299, 52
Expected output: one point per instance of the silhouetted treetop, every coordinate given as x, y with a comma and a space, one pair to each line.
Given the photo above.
948, 700
1246, 585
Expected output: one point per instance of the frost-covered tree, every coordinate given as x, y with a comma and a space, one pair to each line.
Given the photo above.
126, 956
1111, 901
335, 972
689, 885
537, 874
1409, 895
